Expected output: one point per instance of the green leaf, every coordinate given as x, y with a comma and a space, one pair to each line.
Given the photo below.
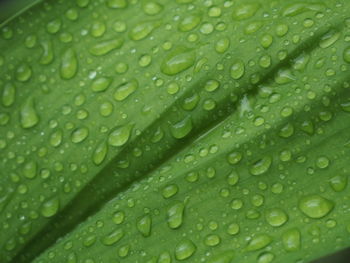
164, 131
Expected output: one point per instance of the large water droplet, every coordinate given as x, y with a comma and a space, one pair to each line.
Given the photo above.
47, 55
184, 249
120, 135
28, 115
50, 207
315, 206
125, 90
189, 22
144, 225
30, 169
115, 4
245, 11
106, 46
291, 240
113, 237
329, 39
237, 69
23, 72
79, 134
258, 242
178, 60
182, 128
101, 84
69, 64
276, 217
100, 153
175, 215
223, 257
142, 30
8, 94
261, 166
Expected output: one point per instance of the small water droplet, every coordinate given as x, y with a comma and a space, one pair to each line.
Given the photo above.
276, 217
237, 69
144, 225
8, 94
120, 135
245, 11
106, 46
50, 207
338, 183
178, 60
101, 84
291, 240
142, 30
79, 134
261, 166
113, 237
28, 115
69, 64
175, 215
100, 153
125, 90
182, 128
258, 242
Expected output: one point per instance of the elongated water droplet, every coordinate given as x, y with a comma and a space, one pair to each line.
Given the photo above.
47, 55
291, 240
100, 153
182, 128
184, 249
120, 135
113, 237
8, 94
315, 206
175, 215
79, 134
223, 257
261, 166
105, 47
258, 242
50, 207
28, 115
151, 8
144, 225
298, 8
142, 30
69, 64
115, 4
329, 39
125, 90
245, 11
178, 60
101, 84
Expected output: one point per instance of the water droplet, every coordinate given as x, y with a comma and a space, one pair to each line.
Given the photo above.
245, 11
182, 128
175, 215
266, 257
89, 240
30, 169
299, 8
144, 225
266, 40
164, 257
142, 30
329, 39
234, 157
222, 45
125, 90
184, 249
118, 217
56, 138
178, 60
258, 242
151, 8
23, 72
315, 206
338, 183
69, 64
98, 28
47, 55
189, 22
79, 134
291, 240
170, 190
50, 207
101, 84
106, 46
233, 229
236, 204
346, 54
237, 69
286, 131
223, 257
117, 3
212, 240
322, 162
276, 217
120, 135
261, 166
252, 27
54, 26
113, 237
189, 103
28, 115
100, 153
106, 108
8, 94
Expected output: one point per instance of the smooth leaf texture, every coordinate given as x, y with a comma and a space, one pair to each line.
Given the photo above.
165, 131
